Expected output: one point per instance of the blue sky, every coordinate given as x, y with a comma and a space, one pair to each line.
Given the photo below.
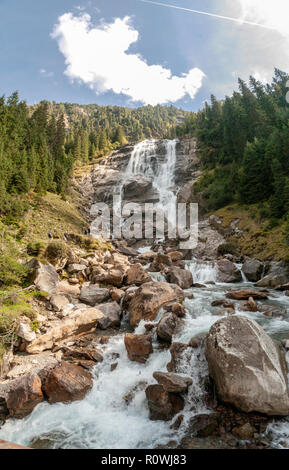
107, 57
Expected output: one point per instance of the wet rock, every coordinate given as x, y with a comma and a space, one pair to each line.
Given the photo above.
228, 272
163, 405
273, 311
173, 382
161, 261
222, 303
81, 320
139, 347
178, 310
177, 351
180, 277
128, 296
23, 395
225, 311
137, 186
128, 397
244, 432
149, 298
91, 354
245, 294
148, 256
204, 425
282, 288
247, 366
137, 275
66, 383
253, 269
176, 255
277, 275
93, 294
112, 315
166, 327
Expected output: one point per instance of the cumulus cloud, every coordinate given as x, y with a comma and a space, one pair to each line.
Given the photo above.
99, 57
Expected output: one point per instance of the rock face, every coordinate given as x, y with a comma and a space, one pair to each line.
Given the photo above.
137, 275
139, 347
67, 383
163, 405
247, 366
80, 321
149, 298
252, 268
181, 277
245, 294
24, 395
278, 274
173, 382
228, 272
93, 294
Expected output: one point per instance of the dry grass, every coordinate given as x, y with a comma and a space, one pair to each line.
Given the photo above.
256, 241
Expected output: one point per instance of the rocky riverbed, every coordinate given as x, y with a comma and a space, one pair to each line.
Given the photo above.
142, 345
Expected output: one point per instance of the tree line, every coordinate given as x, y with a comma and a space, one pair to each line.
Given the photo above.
41, 144
244, 146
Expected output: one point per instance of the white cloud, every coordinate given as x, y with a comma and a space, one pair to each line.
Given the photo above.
274, 13
98, 56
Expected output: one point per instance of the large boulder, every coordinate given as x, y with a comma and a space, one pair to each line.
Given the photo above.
22, 395
277, 275
45, 276
149, 298
173, 382
228, 272
139, 347
111, 315
247, 366
181, 277
66, 383
137, 275
167, 326
81, 320
93, 294
163, 405
253, 269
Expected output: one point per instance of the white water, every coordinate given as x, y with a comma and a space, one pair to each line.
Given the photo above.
145, 161
203, 271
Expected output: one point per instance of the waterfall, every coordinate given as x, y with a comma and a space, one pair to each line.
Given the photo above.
144, 161
203, 271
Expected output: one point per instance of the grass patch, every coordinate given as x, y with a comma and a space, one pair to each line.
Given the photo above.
257, 241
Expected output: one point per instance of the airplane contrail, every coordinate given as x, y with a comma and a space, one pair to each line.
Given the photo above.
236, 20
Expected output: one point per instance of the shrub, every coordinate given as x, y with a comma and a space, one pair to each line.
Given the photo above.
56, 250
34, 248
11, 271
227, 248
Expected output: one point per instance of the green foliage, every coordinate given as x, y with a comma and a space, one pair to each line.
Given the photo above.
12, 272
244, 141
34, 248
227, 248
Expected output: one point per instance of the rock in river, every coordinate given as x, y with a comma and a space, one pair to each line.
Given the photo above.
247, 366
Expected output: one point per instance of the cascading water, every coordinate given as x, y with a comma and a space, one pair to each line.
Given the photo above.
203, 271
